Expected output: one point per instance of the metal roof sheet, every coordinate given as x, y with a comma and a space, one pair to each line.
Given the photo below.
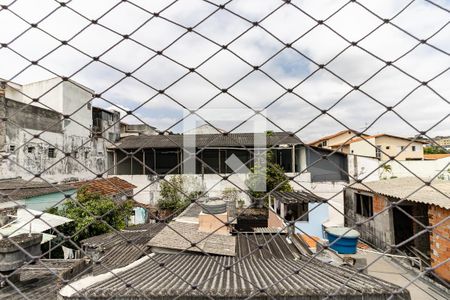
410, 188
297, 197
165, 276
205, 140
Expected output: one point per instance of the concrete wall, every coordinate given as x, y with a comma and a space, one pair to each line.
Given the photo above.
364, 147
440, 246
318, 215
422, 168
57, 98
363, 168
377, 231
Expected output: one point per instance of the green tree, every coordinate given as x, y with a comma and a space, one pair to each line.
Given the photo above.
273, 174
177, 192
434, 150
92, 213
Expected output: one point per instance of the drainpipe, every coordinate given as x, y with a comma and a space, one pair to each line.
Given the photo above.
2, 115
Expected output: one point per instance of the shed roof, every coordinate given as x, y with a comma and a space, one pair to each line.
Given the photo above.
180, 236
18, 188
411, 188
205, 140
43, 279
135, 234
110, 186
166, 276
266, 246
297, 197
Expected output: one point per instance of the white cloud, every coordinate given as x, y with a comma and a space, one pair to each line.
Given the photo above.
287, 69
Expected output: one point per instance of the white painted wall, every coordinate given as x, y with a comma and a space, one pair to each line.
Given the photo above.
364, 168
422, 168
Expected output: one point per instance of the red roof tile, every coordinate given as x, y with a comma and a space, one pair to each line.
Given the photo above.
106, 186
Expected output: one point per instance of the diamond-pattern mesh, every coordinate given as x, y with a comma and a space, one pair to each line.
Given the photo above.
300, 66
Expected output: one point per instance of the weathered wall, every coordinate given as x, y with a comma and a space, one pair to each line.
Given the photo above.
422, 168
363, 168
440, 246
377, 231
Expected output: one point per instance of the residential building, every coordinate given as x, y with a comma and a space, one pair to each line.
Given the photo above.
191, 258
49, 130
309, 211
381, 146
443, 141
137, 129
385, 146
338, 140
35, 194
417, 208
205, 129
106, 124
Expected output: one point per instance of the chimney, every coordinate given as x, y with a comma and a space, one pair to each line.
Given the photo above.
16, 251
213, 217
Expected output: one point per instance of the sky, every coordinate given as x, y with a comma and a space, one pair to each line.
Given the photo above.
225, 89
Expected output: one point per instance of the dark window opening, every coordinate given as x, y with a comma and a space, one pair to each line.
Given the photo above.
12, 148
296, 210
413, 148
364, 205
30, 149
51, 153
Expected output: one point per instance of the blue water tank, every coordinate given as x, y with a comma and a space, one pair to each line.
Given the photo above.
343, 240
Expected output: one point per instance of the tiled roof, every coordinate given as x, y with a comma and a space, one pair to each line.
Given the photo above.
180, 236
110, 186
333, 135
205, 140
297, 197
168, 276
384, 134
436, 156
18, 188
410, 188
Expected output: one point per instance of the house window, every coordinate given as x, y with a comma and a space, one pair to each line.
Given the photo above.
402, 148
324, 143
364, 205
378, 152
86, 155
51, 153
388, 147
413, 148
12, 148
89, 106
30, 149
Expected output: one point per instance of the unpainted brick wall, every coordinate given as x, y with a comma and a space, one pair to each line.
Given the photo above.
440, 247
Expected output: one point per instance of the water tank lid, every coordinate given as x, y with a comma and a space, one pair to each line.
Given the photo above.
343, 231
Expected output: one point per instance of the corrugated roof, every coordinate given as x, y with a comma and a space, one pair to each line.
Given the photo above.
266, 246
106, 186
166, 276
205, 140
39, 281
400, 188
18, 188
139, 233
297, 197
180, 236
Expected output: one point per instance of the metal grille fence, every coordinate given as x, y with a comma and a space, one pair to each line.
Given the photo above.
202, 40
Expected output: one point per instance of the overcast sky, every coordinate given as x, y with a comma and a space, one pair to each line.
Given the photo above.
424, 106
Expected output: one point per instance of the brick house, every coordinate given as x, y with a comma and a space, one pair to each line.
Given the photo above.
406, 213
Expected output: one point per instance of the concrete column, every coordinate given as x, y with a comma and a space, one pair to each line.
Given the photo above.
282, 212
303, 162
115, 162
293, 159
143, 161
2, 115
